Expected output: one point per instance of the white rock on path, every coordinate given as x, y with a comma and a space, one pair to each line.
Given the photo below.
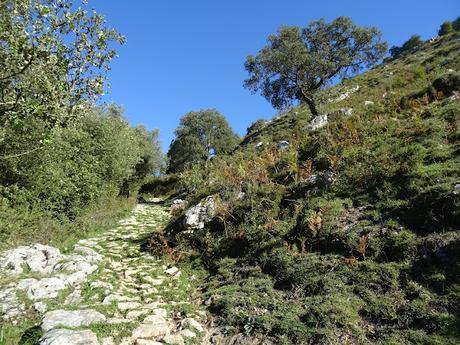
43, 288
37, 258
147, 342
186, 333
192, 323
172, 271
71, 318
148, 331
174, 339
124, 306
69, 337
40, 307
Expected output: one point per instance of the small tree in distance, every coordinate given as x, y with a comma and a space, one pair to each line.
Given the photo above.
445, 28
413, 43
200, 135
297, 62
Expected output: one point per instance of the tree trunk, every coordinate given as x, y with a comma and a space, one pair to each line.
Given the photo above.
308, 98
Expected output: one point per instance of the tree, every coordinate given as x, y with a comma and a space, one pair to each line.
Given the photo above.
256, 126
445, 28
456, 24
297, 62
54, 59
413, 43
200, 136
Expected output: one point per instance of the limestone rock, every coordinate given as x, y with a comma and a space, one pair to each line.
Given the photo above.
147, 342
344, 95
74, 297
124, 306
197, 216
345, 112
192, 324
43, 288
174, 339
37, 258
76, 263
148, 331
318, 122
186, 333
90, 254
283, 144
40, 307
178, 205
69, 337
172, 271
108, 341
9, 304
71, 318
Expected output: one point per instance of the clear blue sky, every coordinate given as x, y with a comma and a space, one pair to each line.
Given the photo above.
185, 55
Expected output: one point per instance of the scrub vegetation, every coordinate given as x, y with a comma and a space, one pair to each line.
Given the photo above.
344, 234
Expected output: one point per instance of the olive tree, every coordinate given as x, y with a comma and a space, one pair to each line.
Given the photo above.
297, 62
200, 135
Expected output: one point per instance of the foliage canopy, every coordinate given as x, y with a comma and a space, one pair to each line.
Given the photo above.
297, 62
200, 136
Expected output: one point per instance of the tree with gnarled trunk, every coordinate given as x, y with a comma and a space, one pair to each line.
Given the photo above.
297, 62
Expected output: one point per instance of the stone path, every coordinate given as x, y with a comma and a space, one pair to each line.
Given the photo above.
106, 291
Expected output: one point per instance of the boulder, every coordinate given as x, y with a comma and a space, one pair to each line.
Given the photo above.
172, 271
190, 323
174, 339
154, 326
69, 337
10, 306
283, 144
43, 288
197, 216
318, 122
71, 318
37, 258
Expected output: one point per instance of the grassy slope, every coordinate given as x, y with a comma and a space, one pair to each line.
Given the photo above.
368, 250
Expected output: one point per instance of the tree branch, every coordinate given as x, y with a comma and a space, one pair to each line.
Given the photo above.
21, 154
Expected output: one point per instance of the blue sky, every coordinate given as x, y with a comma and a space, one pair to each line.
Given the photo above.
186, 55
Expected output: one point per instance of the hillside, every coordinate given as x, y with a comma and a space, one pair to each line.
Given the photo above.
339, 230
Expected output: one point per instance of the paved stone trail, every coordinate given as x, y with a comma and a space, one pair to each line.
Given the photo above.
106, 291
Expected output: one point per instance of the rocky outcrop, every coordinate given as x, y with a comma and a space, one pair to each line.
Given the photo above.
282, 145
318, 122
60, 271
37, 258
322, 120
344, 95
197, 216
